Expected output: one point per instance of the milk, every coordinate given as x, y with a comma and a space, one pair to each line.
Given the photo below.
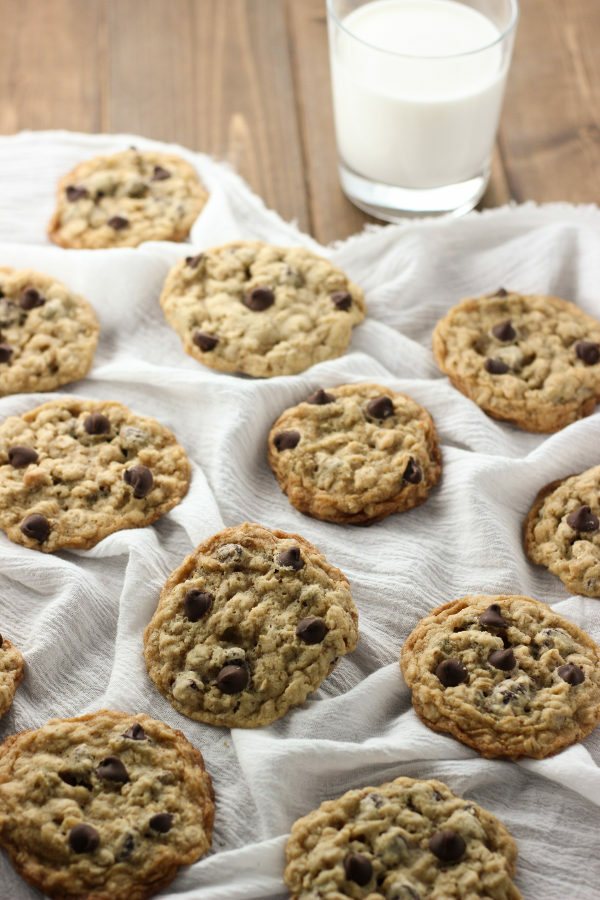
416, 98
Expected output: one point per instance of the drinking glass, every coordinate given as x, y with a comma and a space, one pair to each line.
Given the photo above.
417, 92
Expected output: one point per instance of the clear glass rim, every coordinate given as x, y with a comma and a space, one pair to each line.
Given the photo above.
514, 18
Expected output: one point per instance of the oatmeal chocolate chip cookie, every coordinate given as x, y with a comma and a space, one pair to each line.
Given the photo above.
262, 310
125, 199
526, 359
105, 806
355, 453
562, 531
48, 334
74, 470
405, 840
505, 675
11, 673
248, 626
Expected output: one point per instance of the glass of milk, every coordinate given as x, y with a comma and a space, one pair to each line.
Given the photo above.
417, 92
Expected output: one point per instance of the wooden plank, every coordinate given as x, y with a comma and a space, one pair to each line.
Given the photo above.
50, 65
333, 216
150, 69
551, 120
215, 76
498, 190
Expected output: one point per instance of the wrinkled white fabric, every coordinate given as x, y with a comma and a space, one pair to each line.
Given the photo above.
78, 616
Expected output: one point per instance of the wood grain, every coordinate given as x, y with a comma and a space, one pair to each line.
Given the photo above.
550, 134
248, 81
332, 214
50, 65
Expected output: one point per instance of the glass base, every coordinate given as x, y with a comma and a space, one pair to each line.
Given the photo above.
393, 204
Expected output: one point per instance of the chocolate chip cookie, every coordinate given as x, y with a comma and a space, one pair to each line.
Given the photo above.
248, 626
48, 334
355, 453
405, 840
562, 531
126, 198
105, 806
505, 675
11, 673
262, 310
526, 359
74, 470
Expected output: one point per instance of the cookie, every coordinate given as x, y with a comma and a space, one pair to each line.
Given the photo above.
405, 840
562, 531
74, 470
11, 673
355, 453
505, 675
262, 310
249, 625
523, 358
48, 334
105, 806
126, 198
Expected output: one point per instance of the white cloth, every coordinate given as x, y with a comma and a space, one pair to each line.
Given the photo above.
78, 616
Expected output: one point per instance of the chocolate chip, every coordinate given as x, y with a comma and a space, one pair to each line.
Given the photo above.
588, 351
76, 193
83, 838
160, 174
571, 673
1, 640
30, 298
403, 891
205, 341
232, 679
492, 617
74, 780
20, 456
135, 733
582, 519
193, 261
96, 423
495, 366
161, 822
259, 298
413, 472
504, 331
291, 558
451, 672
141, 480
112, 769
342, 299
196, 604
118, 222
500, 293
68, 778
320, 398
447, 845
36, 527
5, 353
380, 407
286, 440
311, 631
502, 659
126, 847
358, 868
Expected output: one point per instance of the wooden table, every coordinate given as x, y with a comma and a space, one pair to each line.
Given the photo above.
248, 81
